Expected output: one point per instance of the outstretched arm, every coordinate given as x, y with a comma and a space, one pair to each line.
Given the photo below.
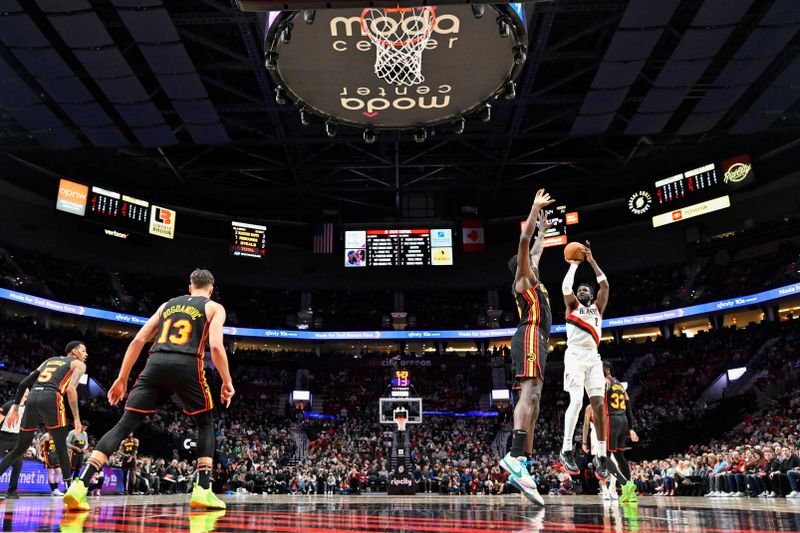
522, 276
538, 245
602, 292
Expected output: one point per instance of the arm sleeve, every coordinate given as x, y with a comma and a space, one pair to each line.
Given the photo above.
629, 414
24, 385
569, 280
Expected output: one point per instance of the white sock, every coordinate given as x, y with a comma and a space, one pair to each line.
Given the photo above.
601, 448
571, 416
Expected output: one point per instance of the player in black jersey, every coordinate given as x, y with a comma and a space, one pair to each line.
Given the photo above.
49, 456
56, 377
130, 452
180, 328
529, 345
620, 425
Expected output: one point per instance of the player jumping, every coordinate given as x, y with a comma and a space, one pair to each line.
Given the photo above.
529, 346
583, 368
181, 328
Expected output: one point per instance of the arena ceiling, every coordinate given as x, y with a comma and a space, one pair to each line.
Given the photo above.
171, 101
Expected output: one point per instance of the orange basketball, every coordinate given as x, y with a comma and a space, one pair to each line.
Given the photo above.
574, 252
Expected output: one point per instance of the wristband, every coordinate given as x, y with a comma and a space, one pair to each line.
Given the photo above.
601, 278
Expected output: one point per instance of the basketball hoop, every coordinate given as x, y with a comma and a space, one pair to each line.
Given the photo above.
400, 36
401, 423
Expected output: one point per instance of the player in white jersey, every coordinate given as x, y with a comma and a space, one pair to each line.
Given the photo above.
583, 368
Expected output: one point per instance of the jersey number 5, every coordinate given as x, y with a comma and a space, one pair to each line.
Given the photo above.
47, 374
181, 329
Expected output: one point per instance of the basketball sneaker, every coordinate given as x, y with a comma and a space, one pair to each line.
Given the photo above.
205, 499
521, 478
57, 493
600, 467
75, 498
567, 457
629, 493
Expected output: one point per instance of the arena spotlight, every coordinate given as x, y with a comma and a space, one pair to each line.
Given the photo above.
370, 136
309, 15
520, 54
280, 95
305, 119
511, 90
286, 34
271, 61
486, 114
420, 135
478, 10
460, 125
330, 127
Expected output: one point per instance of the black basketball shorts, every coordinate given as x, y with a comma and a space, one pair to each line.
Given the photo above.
166, 374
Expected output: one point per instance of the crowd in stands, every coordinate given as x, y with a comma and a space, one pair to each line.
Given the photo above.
723, 275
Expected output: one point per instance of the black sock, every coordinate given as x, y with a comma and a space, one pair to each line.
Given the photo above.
88, 471
204, 477
67, 482
518, 442
53, 486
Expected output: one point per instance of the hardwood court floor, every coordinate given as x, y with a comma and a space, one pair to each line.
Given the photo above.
423, 513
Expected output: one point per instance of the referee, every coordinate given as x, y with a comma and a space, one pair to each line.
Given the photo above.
8, 441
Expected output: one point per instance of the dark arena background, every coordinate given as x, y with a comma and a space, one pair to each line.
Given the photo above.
357, 175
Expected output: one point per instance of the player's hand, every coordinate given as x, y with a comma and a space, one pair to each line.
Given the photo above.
543, 222
12, 418
78, 427
634, 436
542, 199
585, 449
117, 391
226, 393
587, 251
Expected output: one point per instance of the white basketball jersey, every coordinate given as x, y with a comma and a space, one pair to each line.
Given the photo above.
584, 327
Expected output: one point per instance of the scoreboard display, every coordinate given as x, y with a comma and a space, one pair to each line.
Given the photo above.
118, 210
686, 185
399, 247
557, 235
248, 240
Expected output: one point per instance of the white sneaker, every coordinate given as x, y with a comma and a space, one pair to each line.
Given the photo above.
614, 495
710, 495
521, 478
771, 495
57, 493
738, 495
763, 495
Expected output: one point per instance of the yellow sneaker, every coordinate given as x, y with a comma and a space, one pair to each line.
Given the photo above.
75, 497
204, 522
205, 499
73, 522
629, 493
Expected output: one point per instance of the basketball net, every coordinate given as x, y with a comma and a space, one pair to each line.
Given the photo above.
401, 423
399, 35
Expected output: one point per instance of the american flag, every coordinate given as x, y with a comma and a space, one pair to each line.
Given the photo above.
323, 238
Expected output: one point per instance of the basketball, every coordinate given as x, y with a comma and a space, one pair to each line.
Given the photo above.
574, 252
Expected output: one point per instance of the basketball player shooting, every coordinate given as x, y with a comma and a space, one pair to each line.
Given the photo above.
583, 368
181, 327
529, 346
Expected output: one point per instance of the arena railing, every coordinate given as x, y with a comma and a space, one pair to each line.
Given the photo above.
620, 322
